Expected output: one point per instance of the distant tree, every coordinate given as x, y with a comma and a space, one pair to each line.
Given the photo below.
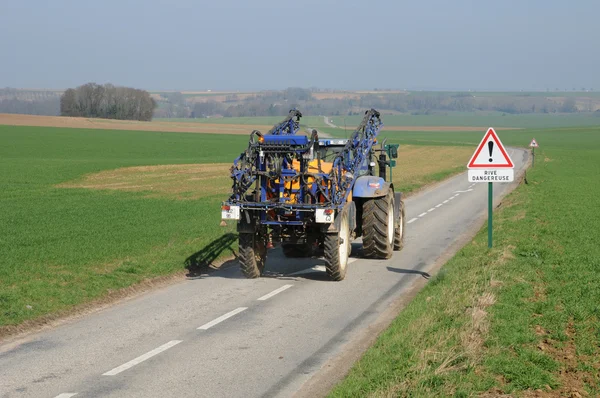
107, 102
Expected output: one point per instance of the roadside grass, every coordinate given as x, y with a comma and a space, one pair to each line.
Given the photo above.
521, 318
88, 212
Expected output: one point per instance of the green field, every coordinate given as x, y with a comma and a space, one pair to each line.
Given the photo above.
491, 119
310, 121
64, 246
553, 93
520, 318
114, 225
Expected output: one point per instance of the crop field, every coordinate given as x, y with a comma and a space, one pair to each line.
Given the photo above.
310, 121
90, 212
521, 318
109, 124
482, 121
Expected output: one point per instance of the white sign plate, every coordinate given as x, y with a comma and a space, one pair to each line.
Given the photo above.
491, 175
232, 214
323, 218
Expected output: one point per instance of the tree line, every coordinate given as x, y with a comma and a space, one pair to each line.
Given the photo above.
278, 103
107, 102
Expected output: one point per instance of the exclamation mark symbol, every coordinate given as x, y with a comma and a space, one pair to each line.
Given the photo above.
491, 148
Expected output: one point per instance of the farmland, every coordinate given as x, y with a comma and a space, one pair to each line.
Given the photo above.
89, 212
482, 120
520, 318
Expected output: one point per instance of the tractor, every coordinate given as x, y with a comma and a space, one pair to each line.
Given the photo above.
314, 196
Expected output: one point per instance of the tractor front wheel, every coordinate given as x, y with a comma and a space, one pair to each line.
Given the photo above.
378, 226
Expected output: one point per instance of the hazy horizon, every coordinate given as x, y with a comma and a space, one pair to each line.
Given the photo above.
195, 45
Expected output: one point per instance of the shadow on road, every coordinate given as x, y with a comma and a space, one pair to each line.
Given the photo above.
202, 261
201, 264
409, 271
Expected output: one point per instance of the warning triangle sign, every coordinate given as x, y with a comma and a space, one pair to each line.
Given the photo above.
490, 154
533, 143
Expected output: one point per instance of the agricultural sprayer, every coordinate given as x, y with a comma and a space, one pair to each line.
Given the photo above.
314, 196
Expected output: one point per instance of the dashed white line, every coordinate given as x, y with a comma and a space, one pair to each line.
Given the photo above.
66, 395
316, 268
432, 209
142, 358
422, 214
440, 205
412, 220
445, 201
450, 198
468, 190
274, 292
222, 318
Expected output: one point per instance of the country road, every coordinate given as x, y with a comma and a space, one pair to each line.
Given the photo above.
221, 335
327, 122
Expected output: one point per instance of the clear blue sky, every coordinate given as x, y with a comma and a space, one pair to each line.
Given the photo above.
274, 44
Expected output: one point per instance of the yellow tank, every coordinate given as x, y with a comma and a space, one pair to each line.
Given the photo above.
313, 167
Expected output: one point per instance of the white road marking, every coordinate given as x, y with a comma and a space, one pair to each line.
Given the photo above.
142, 358
422, 214
440, 205
450, 198
412, 220
222, 318
456, 195
432, 209
274, 292
468, 190
316, 268
445, 201
66, 395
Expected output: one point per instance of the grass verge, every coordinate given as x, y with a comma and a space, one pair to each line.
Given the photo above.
521, 318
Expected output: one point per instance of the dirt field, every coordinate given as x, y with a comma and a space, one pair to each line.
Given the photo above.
180, 127
442, 128
190, 181
105, 124
174, 181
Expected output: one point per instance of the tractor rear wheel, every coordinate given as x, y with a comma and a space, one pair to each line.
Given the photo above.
399, 229
252, 254
378, 226
337, 250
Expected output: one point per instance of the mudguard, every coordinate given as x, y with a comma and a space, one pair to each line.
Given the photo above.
370, 187
349, 207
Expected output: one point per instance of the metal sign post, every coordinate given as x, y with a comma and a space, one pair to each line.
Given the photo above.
533, 144
490, 163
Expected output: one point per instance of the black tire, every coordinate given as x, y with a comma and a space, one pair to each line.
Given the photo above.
292, 250
336, 252
400, 229
378, 234
252, 256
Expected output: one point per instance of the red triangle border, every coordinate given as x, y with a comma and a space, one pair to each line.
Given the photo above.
491, 132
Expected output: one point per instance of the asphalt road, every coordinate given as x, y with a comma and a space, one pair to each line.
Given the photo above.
221, 335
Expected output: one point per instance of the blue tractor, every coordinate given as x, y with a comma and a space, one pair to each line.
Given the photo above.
314, 196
